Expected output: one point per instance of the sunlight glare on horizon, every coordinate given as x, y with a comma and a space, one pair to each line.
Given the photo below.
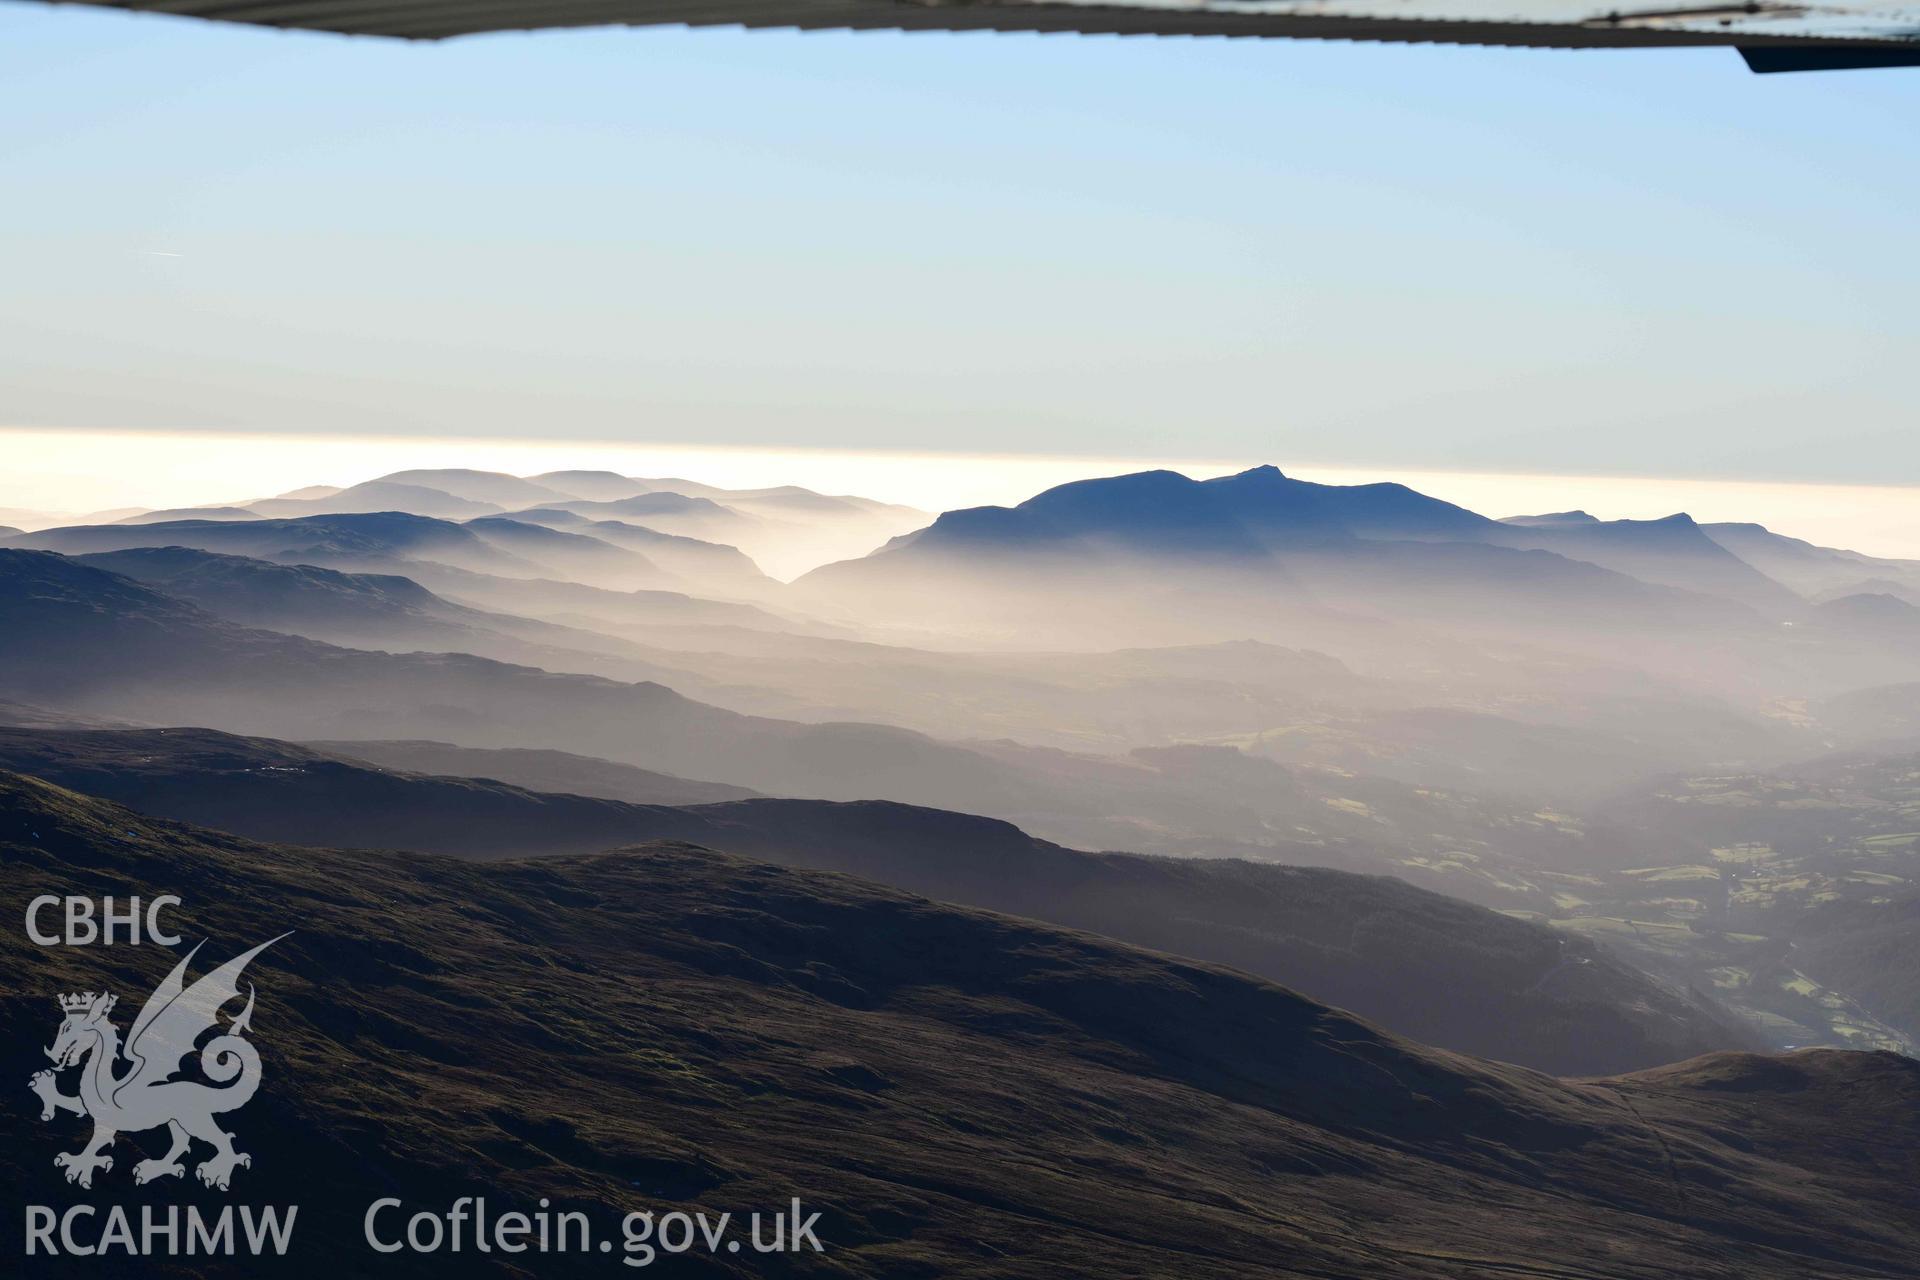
78, 472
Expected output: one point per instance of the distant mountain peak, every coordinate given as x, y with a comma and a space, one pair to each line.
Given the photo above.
489, 487
1551, 518
1131, 484
1869, 606
377, 495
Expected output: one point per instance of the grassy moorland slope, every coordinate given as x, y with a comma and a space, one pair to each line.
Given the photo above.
958, 1092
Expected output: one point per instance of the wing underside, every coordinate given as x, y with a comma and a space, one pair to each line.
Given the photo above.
1775, 36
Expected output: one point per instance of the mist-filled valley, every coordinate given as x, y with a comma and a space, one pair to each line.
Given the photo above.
1560, 794
915, 641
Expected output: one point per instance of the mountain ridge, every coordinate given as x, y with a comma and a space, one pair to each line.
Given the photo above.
1434, 968
1215, 547
1174, 1117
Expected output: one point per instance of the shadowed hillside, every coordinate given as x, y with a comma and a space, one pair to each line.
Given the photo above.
666, 1027
535, 770
88, 640
1430, 967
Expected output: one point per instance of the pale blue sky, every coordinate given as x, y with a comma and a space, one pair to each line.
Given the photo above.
1627, 263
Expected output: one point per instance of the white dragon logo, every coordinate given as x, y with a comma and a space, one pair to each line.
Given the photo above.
146, 1096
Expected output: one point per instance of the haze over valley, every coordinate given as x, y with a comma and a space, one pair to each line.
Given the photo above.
853, 648
1371, 837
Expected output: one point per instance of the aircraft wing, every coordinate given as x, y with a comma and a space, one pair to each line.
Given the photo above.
1772, 34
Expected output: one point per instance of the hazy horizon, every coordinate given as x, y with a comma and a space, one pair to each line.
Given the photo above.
1224, 250
766, 258
58, 471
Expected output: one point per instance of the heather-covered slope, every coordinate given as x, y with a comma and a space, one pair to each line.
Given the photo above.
955, 1092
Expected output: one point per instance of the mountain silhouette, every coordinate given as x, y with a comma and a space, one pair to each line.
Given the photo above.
1164, 512
592, 486
1809, 569
1551, 519
531, 770
376, 495
1672, 552
712, 564
494, 488
1240, 554
375, 611
344, 540
572, 556
191, 513
91, 641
